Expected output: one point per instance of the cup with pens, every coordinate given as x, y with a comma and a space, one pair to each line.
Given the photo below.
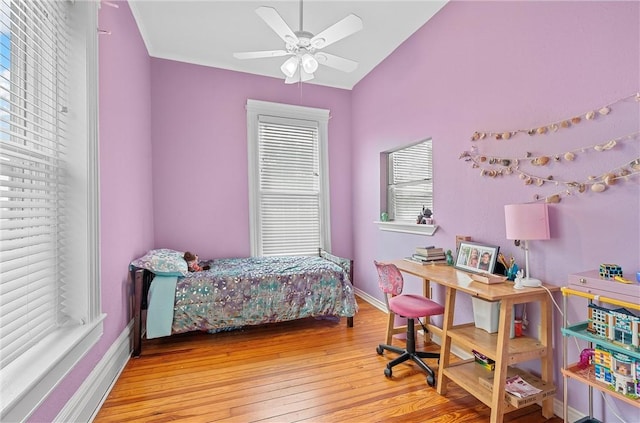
510, 266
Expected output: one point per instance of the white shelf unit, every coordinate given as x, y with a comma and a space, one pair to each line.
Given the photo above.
587, 376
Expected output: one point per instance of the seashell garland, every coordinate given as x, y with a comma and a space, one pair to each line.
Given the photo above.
495, 166
554, 126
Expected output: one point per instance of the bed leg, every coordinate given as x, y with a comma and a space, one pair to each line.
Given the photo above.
137, 312
350, 322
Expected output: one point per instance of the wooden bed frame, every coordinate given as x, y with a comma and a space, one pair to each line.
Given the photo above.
142, 281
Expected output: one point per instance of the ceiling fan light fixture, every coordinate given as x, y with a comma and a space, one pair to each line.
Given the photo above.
309, 63
304, 76
290, 66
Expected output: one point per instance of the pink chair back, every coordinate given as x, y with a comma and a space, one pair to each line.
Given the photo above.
389, 278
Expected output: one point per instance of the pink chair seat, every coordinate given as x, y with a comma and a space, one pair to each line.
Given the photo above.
413, 306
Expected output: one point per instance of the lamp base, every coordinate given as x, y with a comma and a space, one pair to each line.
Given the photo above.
531, 282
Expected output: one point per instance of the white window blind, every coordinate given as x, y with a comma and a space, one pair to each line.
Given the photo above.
33, 131
410, 181
289, 186
288, 179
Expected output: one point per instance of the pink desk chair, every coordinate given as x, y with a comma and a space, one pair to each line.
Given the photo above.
409, 306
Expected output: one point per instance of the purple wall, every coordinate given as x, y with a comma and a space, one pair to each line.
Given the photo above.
502, 66
125, 183
200, 174
474, 66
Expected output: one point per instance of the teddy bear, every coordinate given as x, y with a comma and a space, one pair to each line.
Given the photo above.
192, 262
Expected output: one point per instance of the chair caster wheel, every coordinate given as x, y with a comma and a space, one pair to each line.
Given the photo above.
379, 350
431, 381
387, 372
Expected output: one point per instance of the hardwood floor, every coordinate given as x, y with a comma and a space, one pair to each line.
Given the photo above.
303, 371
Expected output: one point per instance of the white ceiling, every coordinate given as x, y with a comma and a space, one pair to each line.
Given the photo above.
208, 32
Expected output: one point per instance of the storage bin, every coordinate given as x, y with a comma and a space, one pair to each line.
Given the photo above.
486, 314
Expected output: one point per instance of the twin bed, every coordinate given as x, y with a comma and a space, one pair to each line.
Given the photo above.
236, 292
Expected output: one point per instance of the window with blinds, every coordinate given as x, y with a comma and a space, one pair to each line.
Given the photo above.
288, 187
410, 181
32, 172
47, 245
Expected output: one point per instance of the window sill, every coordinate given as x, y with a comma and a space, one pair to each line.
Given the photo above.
30, 378
407, 228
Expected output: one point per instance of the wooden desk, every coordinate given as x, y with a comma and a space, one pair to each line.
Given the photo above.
498, 346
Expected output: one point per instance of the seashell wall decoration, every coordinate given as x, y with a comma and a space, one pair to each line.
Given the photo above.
553, 126
498, 166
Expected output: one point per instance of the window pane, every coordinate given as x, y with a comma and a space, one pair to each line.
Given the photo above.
33, 137
289, 188
410, 183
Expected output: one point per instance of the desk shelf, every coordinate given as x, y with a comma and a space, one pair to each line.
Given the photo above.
520, 349
468, 375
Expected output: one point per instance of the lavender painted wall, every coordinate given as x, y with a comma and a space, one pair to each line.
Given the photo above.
200, 173
125, 183
476, 65
504, 66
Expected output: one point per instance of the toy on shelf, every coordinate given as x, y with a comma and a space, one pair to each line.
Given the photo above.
609, 271
621, 279
617, 370
586, 356
619, 326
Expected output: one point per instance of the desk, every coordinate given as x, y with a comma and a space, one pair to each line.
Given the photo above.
498, 346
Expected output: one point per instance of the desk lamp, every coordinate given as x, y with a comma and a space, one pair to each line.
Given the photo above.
527, 222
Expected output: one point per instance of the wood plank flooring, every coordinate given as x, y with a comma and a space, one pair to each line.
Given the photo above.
303, 371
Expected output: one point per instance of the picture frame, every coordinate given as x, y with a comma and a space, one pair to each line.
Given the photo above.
476, 257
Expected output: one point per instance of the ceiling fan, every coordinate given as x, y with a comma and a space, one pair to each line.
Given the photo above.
304, 47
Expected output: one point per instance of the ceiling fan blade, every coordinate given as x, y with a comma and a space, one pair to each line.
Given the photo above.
275, 21
260, 54
341, 29
336, 62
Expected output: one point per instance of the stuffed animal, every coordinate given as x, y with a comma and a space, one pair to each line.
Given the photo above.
193, 262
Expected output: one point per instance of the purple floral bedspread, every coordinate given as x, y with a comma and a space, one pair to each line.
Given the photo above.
251, 291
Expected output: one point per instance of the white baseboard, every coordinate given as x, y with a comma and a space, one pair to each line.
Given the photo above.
86, 402
371, 300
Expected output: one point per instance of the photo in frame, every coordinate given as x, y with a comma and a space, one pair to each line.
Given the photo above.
476, 257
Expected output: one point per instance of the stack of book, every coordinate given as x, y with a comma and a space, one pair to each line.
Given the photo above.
484, 361
429, 255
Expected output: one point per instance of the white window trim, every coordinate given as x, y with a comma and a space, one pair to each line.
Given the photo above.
27, 381
256, 108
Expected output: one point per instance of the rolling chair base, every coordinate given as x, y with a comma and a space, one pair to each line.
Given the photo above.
409, 353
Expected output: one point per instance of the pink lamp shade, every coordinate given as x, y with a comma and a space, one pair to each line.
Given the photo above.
527, 221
